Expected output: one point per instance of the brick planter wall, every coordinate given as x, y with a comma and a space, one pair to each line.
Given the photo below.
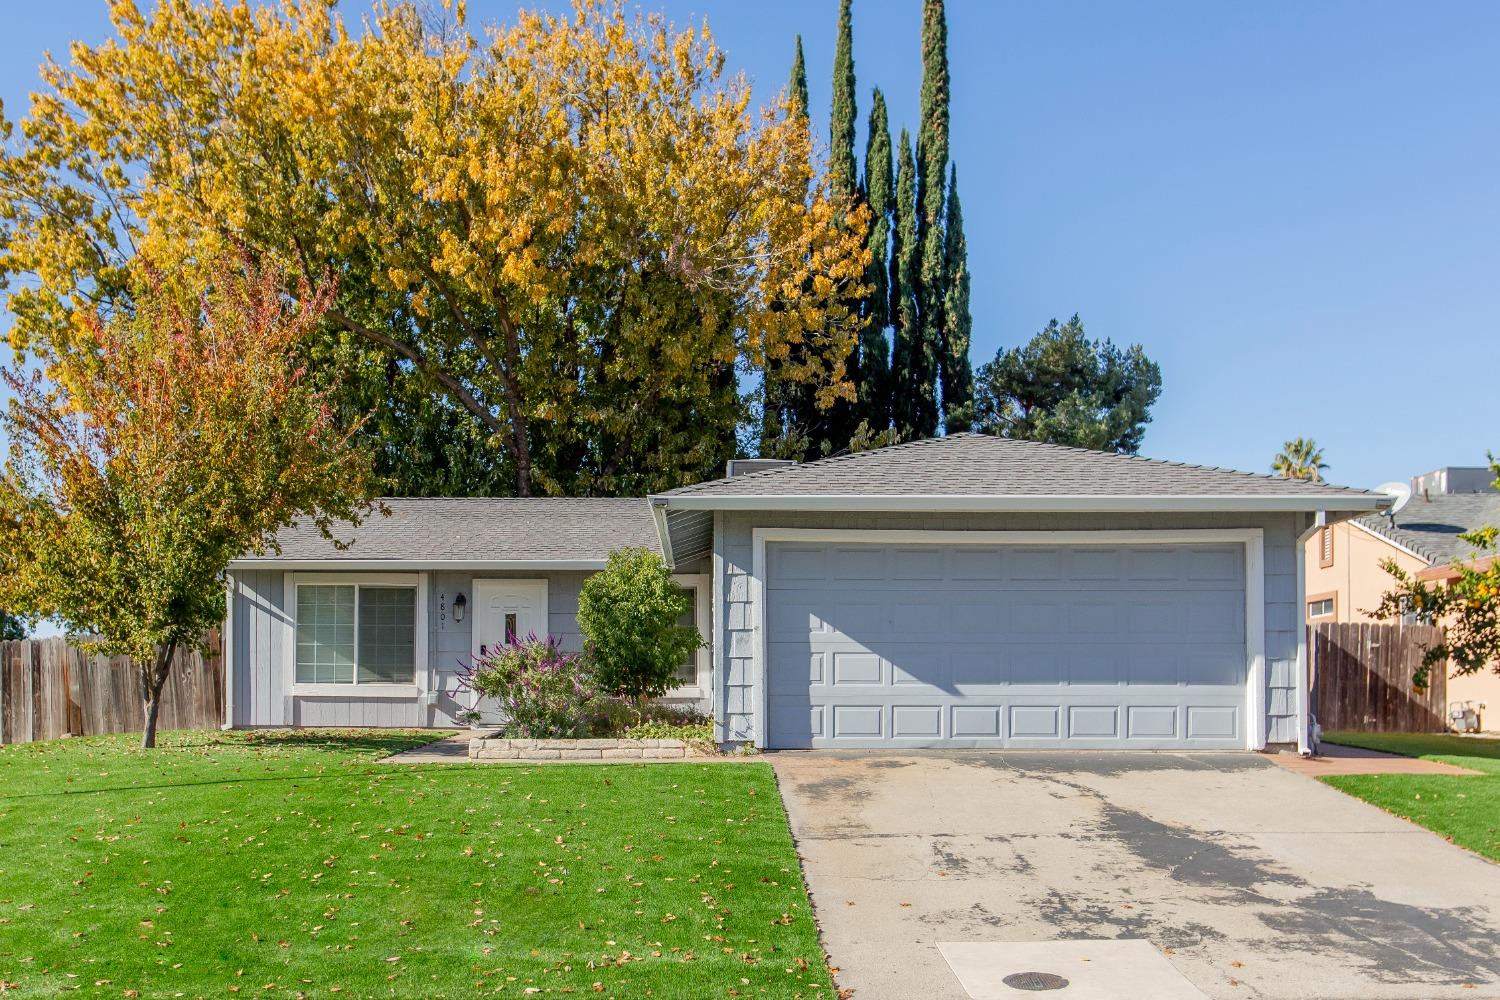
495, 748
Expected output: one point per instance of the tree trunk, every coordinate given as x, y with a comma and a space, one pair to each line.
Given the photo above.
153, 679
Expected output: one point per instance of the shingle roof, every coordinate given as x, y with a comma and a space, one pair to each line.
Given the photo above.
1431, 528
482, 529
984, 465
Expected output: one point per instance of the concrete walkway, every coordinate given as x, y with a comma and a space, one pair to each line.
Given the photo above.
1335, 759
1251, 881
448, 750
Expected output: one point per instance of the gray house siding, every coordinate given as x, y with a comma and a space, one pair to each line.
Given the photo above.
735, 614
261, 630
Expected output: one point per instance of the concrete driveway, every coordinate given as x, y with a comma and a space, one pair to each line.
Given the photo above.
1255, 882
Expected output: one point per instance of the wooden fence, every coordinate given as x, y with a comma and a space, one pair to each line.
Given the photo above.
49, 689
1362, 678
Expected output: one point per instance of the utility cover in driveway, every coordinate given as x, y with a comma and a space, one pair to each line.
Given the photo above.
1122, 969
941, 645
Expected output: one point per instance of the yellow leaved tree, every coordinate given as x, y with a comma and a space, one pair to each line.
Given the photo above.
575, 236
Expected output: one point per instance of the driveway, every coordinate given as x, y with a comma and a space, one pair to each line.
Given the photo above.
1255, 882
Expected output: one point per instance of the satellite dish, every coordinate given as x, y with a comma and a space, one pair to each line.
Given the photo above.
1399, 492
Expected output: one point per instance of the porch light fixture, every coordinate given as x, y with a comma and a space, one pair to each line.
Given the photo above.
460, 603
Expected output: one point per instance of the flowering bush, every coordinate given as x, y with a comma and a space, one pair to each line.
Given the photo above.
542, 692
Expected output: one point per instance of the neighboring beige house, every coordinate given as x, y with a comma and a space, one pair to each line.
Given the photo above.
1345, 579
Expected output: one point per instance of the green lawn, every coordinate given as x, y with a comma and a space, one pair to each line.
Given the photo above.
289, 865
1464, 809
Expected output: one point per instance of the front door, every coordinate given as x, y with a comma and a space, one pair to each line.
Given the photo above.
505, 610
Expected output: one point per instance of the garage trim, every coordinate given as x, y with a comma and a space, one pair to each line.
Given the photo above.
1253, 539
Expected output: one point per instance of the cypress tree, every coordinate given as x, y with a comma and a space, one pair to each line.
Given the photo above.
797, 85
843, 419
779, 398
843, 169
911, 371
875, 363
932, 169
957, 373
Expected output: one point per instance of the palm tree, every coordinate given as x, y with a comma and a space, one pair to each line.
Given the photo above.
1300, 459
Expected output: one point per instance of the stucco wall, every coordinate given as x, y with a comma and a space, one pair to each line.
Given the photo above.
736, 671
1355, 578
1358, 583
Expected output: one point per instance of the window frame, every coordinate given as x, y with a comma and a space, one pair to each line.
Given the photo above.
358, 689
1331, 597
702, 618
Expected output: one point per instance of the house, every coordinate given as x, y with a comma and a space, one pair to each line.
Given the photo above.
1345, 574
966, 591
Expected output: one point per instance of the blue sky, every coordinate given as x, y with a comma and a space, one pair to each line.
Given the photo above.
1294, 207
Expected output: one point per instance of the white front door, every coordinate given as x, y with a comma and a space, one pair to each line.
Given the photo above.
504, 611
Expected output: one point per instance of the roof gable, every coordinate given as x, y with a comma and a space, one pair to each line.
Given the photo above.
1430, 528
981, 466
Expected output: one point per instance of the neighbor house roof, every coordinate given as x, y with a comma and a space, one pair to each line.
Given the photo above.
1429, 528
983, 472
536, 533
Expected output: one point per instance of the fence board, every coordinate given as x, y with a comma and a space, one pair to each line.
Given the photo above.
50, 689
1362, 678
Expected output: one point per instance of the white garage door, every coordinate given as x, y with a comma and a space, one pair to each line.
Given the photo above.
926, 645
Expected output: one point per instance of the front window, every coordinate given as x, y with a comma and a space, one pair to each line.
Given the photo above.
687, 674
356, 634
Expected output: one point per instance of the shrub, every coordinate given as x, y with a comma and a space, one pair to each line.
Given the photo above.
699, 735
541, 691
629, 613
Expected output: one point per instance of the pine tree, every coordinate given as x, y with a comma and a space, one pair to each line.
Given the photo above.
957, 373
875, 363
911, 370
932, 169
843, 168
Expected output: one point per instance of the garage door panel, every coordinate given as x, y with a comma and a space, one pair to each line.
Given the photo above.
1096, 664
976, 721
858, 722
1151, 722
1214, 613
1094, 565
951, 645
917, 722
1034, 564
918, 562
1033, 663
1035, 722
975, 668
920, 666
858, 563
787, 563
856, 668
1094, 722
1212, 722
976, 563
1146, 664
931, 617
1209, 564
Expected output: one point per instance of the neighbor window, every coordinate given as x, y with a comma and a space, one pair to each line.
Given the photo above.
356, 634
1320, 608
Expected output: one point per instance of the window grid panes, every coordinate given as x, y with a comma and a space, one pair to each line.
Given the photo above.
687, 674
325, 635
387, 635
353, 634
